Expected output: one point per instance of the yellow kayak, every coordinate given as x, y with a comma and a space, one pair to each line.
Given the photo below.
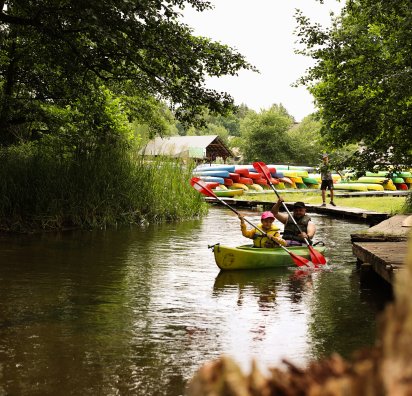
228, 193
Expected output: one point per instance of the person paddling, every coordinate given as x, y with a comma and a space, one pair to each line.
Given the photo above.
272, 237
293, 235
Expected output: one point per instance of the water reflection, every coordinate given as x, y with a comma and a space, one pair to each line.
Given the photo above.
138, 310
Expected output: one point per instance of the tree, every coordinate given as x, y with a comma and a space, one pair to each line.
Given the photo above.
54, 52
264, 135
306, 142
362, 80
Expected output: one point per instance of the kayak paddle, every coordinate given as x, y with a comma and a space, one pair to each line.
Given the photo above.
315, 256
200, 186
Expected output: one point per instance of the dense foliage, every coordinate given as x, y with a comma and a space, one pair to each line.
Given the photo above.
362, 80
270, 135
58, 54
306, 142
264, 136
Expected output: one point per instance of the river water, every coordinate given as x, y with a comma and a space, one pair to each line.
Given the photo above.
136, 311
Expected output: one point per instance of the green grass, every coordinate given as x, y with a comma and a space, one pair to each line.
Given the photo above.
392, 205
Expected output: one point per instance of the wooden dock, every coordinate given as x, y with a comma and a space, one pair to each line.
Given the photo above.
368, 216
384, 258
383, 248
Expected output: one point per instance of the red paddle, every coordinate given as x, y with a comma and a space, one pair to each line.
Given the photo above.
200, 186
315, 256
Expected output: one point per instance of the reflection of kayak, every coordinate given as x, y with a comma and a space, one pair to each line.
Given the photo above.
248, 279
248, 257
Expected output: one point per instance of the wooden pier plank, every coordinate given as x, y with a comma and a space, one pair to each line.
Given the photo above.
386, 258
389, 230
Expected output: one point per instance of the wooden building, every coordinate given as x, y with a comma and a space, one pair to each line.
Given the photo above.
202, 148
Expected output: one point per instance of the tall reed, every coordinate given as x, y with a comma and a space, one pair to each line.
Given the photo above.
40, 189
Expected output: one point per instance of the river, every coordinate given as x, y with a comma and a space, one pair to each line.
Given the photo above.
136, 311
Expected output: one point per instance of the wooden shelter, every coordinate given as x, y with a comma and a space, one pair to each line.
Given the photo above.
204, 148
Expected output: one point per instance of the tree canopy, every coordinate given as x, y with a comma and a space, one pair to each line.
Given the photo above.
265, 135
305, 142
362, 80
55, 52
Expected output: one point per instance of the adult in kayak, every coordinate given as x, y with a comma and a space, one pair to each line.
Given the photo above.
292, 234
272, 237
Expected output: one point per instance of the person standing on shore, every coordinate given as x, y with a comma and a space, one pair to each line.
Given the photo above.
326, 179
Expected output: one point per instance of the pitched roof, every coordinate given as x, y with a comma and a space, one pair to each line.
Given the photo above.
203, 147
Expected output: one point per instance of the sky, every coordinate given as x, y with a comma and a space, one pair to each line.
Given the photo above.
262, 31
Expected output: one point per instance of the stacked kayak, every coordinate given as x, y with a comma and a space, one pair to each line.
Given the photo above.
385, 182
316, 176
240, 178
228, 192
248, 257
389, 180
351, 186
246, 178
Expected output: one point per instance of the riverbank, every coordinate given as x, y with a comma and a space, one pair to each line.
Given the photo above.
385, 203
369, 216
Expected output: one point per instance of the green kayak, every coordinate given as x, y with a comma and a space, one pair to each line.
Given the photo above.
310, 180
248, 257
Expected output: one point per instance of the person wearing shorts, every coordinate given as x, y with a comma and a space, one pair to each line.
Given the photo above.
326, 179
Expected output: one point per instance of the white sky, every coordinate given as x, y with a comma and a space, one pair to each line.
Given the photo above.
262, 30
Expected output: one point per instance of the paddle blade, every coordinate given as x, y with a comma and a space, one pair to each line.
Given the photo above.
315, 256
262, 168
298, 260
201, 186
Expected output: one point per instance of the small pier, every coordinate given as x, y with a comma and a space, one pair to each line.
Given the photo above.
384, 258
383, 248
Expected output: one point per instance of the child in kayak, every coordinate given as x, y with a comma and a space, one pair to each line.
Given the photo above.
272, 237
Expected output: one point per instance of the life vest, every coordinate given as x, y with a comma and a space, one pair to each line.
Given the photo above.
262, 241
291, 232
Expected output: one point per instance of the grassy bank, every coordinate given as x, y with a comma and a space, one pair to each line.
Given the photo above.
40, 190
388, 204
